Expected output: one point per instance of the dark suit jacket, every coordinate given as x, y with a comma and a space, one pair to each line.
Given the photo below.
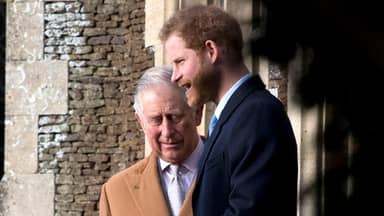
137, 191
249, 164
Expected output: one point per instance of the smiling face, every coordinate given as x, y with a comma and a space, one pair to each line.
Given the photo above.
191, 71
169, 123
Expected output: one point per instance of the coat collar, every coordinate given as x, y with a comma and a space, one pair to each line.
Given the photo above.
147, 192
146, 188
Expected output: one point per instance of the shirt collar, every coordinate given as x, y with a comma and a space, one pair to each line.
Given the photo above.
229, 93
191, 163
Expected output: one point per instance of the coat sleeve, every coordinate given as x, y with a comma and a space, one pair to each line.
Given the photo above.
104, 208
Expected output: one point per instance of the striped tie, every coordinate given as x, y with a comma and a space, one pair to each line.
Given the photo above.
174, 190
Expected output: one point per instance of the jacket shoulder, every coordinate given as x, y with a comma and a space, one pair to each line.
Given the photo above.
132, 171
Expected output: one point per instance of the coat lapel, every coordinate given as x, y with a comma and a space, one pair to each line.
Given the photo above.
146, 189
186, 209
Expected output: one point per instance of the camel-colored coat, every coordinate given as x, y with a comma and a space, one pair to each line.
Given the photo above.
137, 191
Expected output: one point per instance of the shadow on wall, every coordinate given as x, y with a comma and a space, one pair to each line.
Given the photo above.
346, 39
2, 85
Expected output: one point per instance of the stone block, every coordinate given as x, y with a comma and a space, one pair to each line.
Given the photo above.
36, 88
25, 38
27, 195
21, 149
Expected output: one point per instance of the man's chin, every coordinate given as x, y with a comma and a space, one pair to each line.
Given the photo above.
191, 98
196, 101
192, 102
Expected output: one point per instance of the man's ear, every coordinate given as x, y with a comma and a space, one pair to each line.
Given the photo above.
212, 50
199, 114
138, 119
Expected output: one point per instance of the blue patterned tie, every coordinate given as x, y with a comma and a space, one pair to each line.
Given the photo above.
212, 124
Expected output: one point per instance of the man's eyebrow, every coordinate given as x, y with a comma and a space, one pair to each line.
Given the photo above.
178, 59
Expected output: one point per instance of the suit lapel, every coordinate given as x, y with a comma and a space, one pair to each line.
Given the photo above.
238, 96
146, 189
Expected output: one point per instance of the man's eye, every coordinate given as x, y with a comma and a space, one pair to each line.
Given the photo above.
155, 121
176, 118
179, 61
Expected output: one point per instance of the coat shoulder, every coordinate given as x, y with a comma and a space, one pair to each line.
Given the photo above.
130, 172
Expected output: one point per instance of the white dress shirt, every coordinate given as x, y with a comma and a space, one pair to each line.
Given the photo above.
220, 106
187, 173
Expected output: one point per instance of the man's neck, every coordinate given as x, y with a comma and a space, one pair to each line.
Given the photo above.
229, 76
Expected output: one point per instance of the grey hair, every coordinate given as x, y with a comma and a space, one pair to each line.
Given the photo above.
155, 76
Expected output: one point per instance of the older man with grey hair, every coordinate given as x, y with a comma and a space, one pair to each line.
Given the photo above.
162, 183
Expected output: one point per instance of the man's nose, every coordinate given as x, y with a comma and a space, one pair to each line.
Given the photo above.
175, 75
167, 128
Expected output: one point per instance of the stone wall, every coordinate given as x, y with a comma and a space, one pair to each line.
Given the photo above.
103, 42
278, 81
